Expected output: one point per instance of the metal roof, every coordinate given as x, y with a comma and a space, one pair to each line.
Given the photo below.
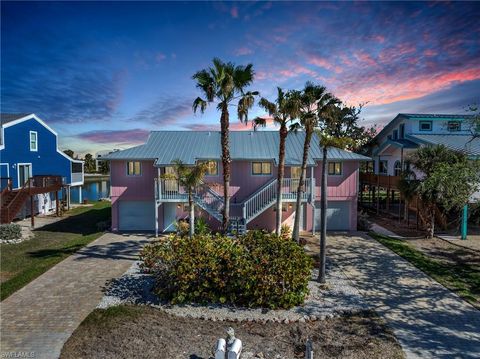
9, 117
462, 143
190, 146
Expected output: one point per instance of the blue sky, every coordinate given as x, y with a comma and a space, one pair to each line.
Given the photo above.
104, 74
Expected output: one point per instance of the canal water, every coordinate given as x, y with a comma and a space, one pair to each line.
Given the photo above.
92, 191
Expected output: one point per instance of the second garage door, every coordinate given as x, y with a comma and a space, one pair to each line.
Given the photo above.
136, 216
338, 216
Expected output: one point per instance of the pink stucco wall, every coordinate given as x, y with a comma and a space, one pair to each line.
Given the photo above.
243, 184
130, 188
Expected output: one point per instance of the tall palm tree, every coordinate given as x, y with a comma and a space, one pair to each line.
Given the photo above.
189, 177
314, 101
338, 127
283, 110
224, 83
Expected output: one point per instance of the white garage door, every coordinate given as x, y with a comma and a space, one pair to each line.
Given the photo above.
338, 216
136, 216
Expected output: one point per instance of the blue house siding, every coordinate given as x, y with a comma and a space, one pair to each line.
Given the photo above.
47, 160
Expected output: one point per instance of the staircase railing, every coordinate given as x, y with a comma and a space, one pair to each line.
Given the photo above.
25, 189
266, 196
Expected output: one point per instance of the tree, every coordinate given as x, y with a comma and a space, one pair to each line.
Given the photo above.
442, 178
69, 153
104, 167
474, 122
338, 127
225, 83
189, 177
313, 101
283, 110
89, 163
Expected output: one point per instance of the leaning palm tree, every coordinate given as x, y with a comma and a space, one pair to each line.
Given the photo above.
189, 177
283, 111
314, 101
224, 83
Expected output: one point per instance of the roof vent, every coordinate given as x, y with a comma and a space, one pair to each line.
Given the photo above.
208, 133
250, 133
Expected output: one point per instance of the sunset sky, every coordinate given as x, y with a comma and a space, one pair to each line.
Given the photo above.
105, 74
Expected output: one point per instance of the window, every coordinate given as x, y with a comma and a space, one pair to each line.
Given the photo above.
295, 172
367, 167
261, 168
383, 167
33, 141
397, 168
335, 168
134, 168
395, 134
425, 125
402, 130
454, 126
212, 168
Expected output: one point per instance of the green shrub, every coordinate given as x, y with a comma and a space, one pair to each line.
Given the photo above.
285, 232
255, 270
10, 231
201, 226
182, 227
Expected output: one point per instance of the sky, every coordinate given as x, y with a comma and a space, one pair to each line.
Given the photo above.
104, 74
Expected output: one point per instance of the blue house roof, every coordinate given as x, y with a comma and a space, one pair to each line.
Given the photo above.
189, 146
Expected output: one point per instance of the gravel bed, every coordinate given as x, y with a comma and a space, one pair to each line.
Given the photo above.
337, 298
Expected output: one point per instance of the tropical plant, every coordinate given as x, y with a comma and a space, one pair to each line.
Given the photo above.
189, 177
314, 100
442, 178
201, 226
257, 269
224, 83
284, 110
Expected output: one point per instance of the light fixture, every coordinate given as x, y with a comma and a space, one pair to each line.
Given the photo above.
179, 206
290, 206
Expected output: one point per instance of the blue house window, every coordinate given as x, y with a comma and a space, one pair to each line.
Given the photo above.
425, 125
33, 141
395, 134
402, 130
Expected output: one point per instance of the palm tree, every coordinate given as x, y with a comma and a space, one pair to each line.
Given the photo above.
189, 177
314, 101
224, 83
283, 111
338, 127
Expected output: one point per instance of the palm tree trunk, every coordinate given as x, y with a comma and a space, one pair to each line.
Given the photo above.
281, 172
224, 126
192, 214
300, 189
323, 219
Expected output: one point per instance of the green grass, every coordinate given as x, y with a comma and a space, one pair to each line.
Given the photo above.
23, 262
460, 278
102, 317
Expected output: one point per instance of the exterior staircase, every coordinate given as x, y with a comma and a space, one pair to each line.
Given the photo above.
12, 200
210, 201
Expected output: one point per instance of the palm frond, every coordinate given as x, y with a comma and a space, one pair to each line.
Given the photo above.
199, 103
259, 122
244, 104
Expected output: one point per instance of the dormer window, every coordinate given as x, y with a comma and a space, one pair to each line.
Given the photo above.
425, 126
33, 141
454, 126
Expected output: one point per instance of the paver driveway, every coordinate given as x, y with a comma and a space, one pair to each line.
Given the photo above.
429, 320
39, 318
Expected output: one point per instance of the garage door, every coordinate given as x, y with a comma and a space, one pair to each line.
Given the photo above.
338, 216
136, 216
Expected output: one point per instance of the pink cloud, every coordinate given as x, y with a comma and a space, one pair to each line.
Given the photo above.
242, 51
160, 57
379, 38
234, 12
322, 62
365, 58
134, 136
430, 52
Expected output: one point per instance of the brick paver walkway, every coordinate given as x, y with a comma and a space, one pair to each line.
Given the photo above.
429, 320
38, 319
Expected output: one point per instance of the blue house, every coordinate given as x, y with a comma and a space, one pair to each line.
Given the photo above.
31, 163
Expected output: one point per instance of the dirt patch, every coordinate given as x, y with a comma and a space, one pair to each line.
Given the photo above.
143, 332
399, 227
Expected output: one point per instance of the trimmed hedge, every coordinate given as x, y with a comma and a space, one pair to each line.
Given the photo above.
10, 231
254, 270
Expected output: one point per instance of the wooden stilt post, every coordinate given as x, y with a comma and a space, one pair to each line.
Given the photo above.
56, 203
464, 221
32, 213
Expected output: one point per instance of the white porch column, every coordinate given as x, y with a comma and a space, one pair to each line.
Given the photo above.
80, 194
156, 218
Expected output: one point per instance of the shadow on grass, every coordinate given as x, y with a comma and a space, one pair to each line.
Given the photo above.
56, 252
84, 223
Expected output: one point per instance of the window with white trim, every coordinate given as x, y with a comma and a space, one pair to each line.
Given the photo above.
33, 141
134, 168
425, 125
261, 168
383, 167
454, 126
397, 168
334, 168
295, 172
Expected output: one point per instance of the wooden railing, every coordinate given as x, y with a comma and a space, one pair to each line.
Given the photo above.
384, 181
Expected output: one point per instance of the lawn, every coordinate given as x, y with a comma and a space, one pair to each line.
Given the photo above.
456, 268
23, 262
145, 332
